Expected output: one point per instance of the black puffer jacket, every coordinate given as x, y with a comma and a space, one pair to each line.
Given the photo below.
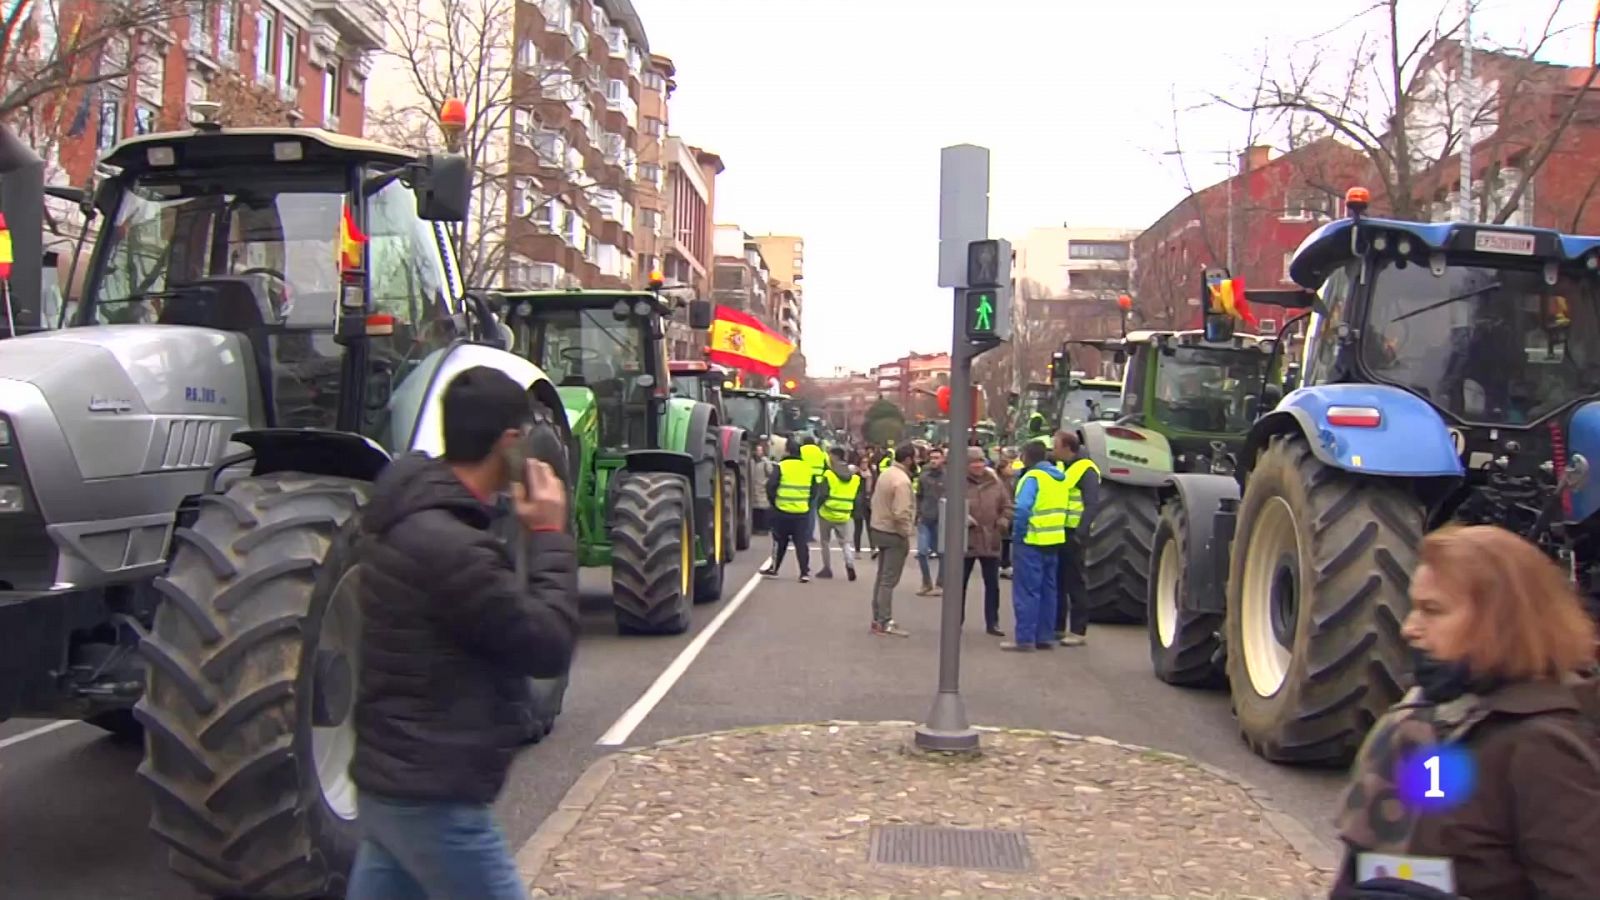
449, 637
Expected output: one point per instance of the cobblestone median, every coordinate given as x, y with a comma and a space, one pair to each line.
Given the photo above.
790, 811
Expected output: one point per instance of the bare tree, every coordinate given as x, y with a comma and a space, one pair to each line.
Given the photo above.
1400, 100
468, 50
49, 48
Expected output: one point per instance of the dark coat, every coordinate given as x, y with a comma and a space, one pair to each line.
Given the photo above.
449, 637
1530, 826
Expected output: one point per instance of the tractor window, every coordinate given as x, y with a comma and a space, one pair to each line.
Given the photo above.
592, 348
1206, 389
1489, 345
164, 235
690, 386
1322, 341
747, 412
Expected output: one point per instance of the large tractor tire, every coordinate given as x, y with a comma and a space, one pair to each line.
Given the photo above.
1116, 557
652, 553
1184, 644
744, 512
708, 575
545, 443
1316, 594
252, 672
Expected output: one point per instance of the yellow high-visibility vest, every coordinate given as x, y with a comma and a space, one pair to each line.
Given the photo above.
841, 503
1047, 523
794, 486
1075, 493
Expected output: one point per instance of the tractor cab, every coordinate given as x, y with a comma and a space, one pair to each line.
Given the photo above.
606, 352
698, 381
327, 253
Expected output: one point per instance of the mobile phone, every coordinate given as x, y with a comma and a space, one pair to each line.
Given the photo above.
516, 457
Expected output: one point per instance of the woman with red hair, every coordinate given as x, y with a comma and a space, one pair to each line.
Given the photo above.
1484, 780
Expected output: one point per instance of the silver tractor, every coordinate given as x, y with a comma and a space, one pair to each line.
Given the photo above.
268, 316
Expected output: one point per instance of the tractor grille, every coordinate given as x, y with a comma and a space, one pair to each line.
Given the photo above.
191, 443
27, 555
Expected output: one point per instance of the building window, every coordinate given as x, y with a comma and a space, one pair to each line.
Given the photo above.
146, 119
289, 57
650, 172
617, 40
654, 126
228, 26
651, 219
202, 36
528, 54
110, 120
1287, 258
266, 43
332, 92
151, 72
1308, 204
1097, 249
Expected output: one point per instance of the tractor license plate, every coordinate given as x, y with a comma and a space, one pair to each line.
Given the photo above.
1503, 242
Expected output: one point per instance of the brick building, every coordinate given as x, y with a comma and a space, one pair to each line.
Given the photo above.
740, 277
785, 258
300, 62
684, 247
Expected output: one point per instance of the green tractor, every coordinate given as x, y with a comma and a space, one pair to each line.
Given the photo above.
652, 487
1076, 399
1031, 414
700, 381
765, 415
1188, 400
270, 316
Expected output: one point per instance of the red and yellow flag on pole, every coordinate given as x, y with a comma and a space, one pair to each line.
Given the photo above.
1229, 298
350, 241
5, 249
742, 341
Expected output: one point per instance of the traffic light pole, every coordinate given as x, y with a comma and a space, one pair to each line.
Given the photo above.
947, 728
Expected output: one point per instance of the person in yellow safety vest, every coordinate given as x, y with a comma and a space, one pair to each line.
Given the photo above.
1040, 528
792, 490
817, 459
837, 510
1083, 485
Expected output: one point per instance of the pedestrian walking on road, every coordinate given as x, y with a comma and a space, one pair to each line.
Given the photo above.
930, 490
1503, 667
1040, 525
1083, 480
988, 519
894, 517
863, 511
450, 633
817, 459
792, 491
760, 471
840, 488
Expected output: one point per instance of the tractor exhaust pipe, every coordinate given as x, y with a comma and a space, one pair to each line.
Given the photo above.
22, 204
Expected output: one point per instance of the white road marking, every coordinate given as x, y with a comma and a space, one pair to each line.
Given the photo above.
623, 728
41, 731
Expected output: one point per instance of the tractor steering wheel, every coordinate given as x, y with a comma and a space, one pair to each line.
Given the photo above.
278, 308
581, 355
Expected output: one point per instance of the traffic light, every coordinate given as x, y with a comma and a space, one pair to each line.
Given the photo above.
987, 299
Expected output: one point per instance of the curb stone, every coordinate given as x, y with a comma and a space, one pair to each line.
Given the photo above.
555, 828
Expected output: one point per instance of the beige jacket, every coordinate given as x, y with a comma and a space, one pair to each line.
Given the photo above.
894, 504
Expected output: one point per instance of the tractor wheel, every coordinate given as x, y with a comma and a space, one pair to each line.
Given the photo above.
744, 517
652, 553
1317, 590
252, 670
1183, 642
543, 443
708, 575
1116, 558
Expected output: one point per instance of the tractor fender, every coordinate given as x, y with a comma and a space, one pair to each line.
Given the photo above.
1411, 440
659, 461
1145, 462
416, 409
1210, 505
336, 454
700, 425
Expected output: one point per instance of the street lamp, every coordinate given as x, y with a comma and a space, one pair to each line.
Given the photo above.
1229, 156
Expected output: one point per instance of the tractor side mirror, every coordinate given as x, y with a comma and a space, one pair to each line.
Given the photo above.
105, 197
700, 314
1120, 357
443, 188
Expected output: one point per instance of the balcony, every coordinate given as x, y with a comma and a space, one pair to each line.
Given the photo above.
357, 20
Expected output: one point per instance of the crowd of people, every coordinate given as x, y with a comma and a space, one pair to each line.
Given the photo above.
1503, 654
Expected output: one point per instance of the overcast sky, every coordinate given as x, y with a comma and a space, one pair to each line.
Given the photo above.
830, 114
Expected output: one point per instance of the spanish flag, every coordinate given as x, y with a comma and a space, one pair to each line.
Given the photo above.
741, 341
5, 249
350, 242
1228, 296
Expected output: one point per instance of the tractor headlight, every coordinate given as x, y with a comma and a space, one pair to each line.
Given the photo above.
10, 498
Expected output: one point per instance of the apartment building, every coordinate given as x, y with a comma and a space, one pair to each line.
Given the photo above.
683, 253
785, 257
287, 62
574, 162
652, 192
740, 277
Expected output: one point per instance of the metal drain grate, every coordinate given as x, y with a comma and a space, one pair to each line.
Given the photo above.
954, 848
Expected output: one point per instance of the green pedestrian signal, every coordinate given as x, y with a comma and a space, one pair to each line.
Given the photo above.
983, 315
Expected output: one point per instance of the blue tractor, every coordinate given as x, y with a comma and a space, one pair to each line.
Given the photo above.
1451, 372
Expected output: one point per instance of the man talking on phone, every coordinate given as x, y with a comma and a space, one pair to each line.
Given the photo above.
449, 636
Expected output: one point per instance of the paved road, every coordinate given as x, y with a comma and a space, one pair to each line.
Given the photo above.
72, 813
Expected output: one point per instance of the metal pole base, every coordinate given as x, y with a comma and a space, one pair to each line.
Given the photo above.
947, 728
